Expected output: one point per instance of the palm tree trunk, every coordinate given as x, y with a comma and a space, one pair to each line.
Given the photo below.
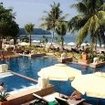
15, 40
94, 42
52, 37
0, 44
30, 40
1, 39
62, 43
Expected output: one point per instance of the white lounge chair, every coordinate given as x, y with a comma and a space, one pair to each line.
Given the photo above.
62, 101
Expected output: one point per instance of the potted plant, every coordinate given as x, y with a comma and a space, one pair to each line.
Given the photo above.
3, 97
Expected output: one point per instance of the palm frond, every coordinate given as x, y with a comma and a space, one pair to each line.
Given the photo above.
82, 34
76, 23
53, 16
81, 7
93, 24
102, 7
90, 21
101, 16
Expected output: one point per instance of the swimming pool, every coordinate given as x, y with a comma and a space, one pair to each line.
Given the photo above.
13, 82
30, 66
26, 66
86, 69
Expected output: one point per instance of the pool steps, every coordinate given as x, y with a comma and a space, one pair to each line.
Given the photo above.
5, 74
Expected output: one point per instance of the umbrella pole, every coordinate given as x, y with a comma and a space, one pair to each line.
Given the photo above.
98, 101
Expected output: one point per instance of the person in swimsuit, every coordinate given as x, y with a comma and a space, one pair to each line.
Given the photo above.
76, 95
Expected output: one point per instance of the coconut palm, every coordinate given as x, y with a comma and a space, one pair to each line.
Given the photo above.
61, 30
44, 40
53, 17
90, 21
29, 29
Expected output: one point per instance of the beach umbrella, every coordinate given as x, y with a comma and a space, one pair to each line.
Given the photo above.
102, 45
98, 45
35, 41
71, 44
93, 85
23, 44
59, 72
83, 44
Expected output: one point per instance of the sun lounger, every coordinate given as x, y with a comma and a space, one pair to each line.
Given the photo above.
85, 103
37, 96
39, 100
75, 102
51, 97
62, 101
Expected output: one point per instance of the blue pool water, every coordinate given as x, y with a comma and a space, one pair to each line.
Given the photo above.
13, 83
86, 69
30, 66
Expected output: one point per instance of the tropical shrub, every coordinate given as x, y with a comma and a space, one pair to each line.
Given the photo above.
102, 57
3, 96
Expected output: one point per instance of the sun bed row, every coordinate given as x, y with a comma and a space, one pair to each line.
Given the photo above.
55, 99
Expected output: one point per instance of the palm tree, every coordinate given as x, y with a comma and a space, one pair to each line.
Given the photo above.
53, 17
8, 26
29, 29
61, 30
90, 21
44, 40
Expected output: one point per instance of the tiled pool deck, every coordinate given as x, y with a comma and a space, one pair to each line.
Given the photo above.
2, 75
27, 95
24, 95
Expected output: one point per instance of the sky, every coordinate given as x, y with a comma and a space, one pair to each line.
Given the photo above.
32, 11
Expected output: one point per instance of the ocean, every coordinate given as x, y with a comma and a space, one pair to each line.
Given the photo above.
67, 38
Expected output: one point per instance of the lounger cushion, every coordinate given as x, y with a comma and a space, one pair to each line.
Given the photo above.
39, 100
53, 103
62, 101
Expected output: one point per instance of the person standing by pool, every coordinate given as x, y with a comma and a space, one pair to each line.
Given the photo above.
1, 87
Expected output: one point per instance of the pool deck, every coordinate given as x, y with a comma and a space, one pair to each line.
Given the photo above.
26, 95
5, 74
92, 65
95, 65
33, 55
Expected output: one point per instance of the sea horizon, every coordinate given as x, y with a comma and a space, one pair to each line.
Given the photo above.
69, 37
